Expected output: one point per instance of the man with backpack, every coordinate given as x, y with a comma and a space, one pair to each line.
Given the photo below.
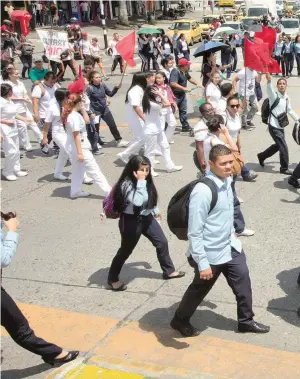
214, 247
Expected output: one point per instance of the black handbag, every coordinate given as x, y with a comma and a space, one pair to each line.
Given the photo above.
282, 118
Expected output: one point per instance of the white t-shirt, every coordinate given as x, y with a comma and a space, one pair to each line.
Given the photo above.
8, 112
44, 100
250, 84
112, 45
233, 125
200, 130
85, 47
95, 50
75, 123
53, 116
210, 141
221, 107
19, 90
213, 92
184, 45
166, 48
135, 97
153, 124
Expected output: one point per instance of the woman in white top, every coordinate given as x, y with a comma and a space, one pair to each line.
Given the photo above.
134, 116
21, 99
9, 134
95, 52
234, 125
166, 46
168, 66
153, 102
75, 118
212, 91
183, 47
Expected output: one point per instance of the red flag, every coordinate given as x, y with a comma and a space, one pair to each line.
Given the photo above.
268, 35
256, 55
273, 67
126, 47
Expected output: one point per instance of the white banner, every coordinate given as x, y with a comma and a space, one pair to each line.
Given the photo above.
54, 43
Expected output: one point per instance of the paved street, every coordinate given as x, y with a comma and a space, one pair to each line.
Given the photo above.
59, 273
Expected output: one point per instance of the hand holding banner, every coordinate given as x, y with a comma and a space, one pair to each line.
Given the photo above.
54, 43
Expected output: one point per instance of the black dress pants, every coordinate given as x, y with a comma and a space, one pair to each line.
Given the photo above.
16, 324
296, 172
92, 135
57, 66
117, 60
280, 61
238, 220
27, 64
131, 228
70, 64
237, 275
279, 145
110, 121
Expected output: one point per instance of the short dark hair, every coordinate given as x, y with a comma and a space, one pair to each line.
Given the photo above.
225, 89
49, 75
218, 151
202, 107
233, 97
89, 62
280, 79
5, 89
215, 123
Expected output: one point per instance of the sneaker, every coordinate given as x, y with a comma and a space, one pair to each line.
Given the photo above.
260, 160
105, 78
122, 143
240, 200
21, 173
45, 149
124, 74
294, 182
60, 177
11, 178
249, 178
171, 143
87, 180
186, 131
98, 152
80, 194
286, 171
250, 123
120, 156
156, 162
246, 233
28, 148
175, 168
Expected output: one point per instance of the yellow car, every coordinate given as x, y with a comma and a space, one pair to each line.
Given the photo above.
205, 23
190, 28
226, 3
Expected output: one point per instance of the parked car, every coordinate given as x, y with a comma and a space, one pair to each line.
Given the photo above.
191, 29
205, 23
247, 21
290, 26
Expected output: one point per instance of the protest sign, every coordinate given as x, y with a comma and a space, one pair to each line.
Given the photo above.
54, 43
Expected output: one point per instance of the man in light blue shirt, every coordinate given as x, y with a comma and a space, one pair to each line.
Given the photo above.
214, 249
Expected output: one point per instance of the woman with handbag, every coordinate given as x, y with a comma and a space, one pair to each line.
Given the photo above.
278, 120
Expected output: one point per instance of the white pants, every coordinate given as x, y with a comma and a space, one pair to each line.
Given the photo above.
23, 133
90, 166
170, 119
137, 128
159, 139
10, 147
60, 139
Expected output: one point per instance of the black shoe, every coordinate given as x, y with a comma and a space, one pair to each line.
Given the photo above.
122, 287
179, 275
294, 182
62, 80
253, 327
260, 160
286, 172
249, 178
250, 123
68, 358
187, 330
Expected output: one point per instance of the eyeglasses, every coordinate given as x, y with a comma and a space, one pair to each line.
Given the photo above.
234, 106
209, 110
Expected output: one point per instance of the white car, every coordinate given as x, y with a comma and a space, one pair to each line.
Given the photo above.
290, 26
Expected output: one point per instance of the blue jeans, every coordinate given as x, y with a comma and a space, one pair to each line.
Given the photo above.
182, 107
245, 172
226, 61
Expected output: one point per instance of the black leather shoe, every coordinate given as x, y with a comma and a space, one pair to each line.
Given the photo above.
294, 182
253, 327
286, 172
68, 358
249, 178
187, 330
260, 160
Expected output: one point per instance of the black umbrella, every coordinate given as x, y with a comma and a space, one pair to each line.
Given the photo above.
209, 47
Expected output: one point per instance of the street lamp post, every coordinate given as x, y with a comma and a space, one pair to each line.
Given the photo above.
102, 16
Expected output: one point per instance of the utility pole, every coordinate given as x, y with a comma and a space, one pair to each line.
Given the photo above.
103, 23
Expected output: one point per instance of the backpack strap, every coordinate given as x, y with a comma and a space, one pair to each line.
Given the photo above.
274, 105
211, 184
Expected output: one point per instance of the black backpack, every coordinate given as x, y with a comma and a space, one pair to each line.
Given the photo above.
266, 110
178, 208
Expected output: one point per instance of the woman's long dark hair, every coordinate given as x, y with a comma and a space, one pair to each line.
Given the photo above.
148, 96
61, 94
139, 79
120, 193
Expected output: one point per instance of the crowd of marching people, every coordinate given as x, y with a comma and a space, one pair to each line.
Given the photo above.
67, 120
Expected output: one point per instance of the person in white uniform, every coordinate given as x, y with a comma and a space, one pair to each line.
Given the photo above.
41, 95
82, 158
153, 102
134, 116
21, 98
212, 91
9, 134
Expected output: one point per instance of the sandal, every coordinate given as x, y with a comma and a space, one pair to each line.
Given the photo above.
179, 275
122, 287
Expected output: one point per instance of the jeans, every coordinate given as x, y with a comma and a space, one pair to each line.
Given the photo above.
225, 61
108, 118
288, 60
279, 145
18, 328
250, 110
237, 275
182, 108
155, 65
131, 228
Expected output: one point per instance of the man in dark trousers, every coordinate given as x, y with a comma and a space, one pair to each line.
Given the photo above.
215, 249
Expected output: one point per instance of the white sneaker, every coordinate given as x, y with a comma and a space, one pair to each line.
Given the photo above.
246, 233
28, 148
258, 113
240, 200
60, 177
80, 194
11, 178
171, 143
21, 173
87, 180
122, 143
154, 173
175, 168
120, 156
156, 162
